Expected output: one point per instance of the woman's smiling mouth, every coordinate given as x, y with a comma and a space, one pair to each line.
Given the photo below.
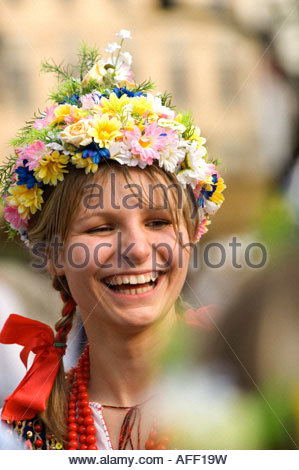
133, 284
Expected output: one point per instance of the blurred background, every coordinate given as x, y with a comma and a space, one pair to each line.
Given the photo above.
235, 65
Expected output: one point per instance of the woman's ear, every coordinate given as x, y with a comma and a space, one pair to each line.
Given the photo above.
55, 268
55, 259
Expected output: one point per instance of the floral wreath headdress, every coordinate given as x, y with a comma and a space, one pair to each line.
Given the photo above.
104, 114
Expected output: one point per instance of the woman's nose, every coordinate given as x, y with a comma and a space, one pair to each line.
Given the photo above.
136, 246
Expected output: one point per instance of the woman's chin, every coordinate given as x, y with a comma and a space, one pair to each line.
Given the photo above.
140, 318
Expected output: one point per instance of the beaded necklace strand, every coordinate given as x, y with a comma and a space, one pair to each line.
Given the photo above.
80, 422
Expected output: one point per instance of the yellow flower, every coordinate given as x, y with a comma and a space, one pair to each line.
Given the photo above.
196, 136
97, 72
26, 200
61, 112
217, 196
114, 106
142, 106
105, 130
77, 134
129, 125
64, 111
86, 163
51, 168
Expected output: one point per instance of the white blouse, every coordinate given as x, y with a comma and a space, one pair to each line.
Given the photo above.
103, 439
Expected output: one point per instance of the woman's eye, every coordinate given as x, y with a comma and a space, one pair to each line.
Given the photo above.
158, 223
99, 229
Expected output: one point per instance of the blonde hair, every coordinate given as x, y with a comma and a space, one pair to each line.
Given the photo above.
55, 219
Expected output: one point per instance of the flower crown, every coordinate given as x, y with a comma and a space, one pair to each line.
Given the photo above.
104, 115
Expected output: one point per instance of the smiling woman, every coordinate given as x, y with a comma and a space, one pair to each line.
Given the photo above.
115, 258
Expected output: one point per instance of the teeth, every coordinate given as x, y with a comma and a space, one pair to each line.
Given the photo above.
139, 279
135, 291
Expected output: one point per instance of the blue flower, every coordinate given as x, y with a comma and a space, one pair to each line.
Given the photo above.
215, 178
201, 201
25, 176
208, 194
123, 91
95, 152
74, 99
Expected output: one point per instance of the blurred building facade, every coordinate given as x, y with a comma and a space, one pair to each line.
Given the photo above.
193, 48
214, 56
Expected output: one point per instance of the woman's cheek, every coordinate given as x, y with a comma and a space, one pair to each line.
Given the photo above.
89, 253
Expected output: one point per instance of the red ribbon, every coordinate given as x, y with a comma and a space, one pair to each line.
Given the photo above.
30, 397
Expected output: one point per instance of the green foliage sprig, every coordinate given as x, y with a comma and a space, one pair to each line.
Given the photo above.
166, 100
147, 85
88, 56
6, 172
28, 134
61, 72
71, 76
187, 120
66, 90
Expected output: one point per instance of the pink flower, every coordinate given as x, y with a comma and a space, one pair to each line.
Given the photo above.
124, 74
14, 218
89, 101
197, 189
32, 153
202, 228
148, 143
45, 121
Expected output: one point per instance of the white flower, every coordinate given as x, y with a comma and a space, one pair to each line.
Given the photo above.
112, 47
24, 237
159, 108
197, 168
126, 58
124, 74
170, 158
56, 146
209, 209
121, 153
171, 124
53, 135
97, 72
124, 34
172, 155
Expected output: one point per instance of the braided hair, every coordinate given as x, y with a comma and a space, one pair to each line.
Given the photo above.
54, 416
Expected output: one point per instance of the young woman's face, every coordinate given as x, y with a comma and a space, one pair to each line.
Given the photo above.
114, 240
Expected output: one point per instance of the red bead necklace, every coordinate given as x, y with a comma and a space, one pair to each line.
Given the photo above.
80, 423
81, 429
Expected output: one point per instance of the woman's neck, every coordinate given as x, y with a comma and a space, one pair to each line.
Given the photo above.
125, 366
